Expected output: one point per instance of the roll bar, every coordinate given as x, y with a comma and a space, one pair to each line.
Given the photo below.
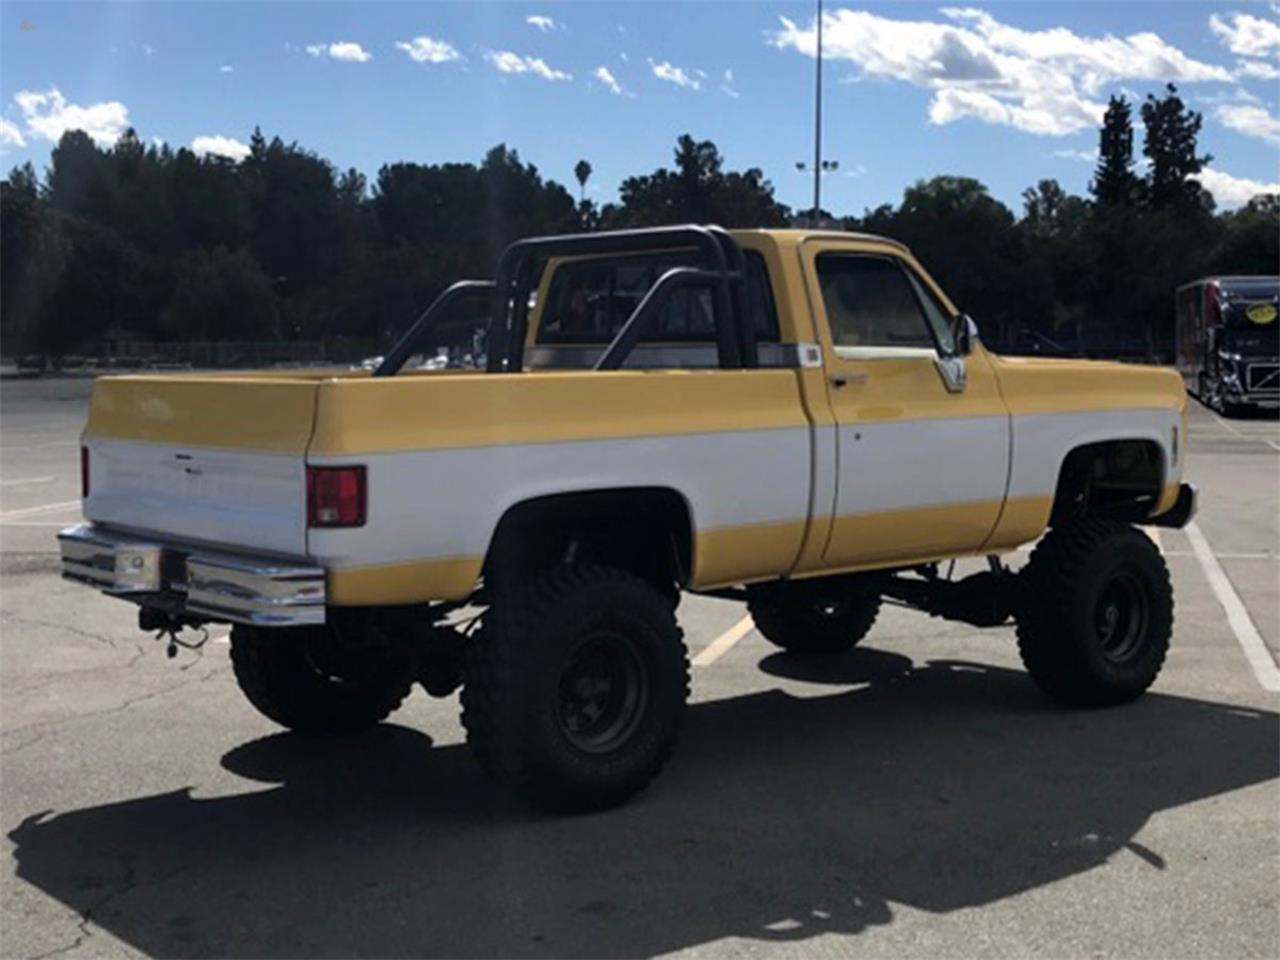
406, 346
659, 295
724, 273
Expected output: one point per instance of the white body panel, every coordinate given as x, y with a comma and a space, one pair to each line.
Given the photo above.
1041, 441
447, 503
900, 464
435, 504
256, 501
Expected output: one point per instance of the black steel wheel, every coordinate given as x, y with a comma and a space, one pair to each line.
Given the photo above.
603, 693
1095, 613
575, 688
303, 679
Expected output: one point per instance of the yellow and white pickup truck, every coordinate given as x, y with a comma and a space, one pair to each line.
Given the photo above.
797, 419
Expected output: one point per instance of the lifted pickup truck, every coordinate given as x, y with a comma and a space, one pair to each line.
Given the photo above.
800, 420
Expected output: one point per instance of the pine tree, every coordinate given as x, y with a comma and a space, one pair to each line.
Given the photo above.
1114, 183
1171, 148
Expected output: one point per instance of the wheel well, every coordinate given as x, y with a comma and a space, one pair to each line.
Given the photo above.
646, 530
1119, 479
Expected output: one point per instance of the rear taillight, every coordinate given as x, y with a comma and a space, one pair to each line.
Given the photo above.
84, 472
336, 496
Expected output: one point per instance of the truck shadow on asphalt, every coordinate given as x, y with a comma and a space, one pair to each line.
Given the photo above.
943, 786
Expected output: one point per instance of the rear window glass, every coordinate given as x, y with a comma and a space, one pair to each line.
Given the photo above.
590, 300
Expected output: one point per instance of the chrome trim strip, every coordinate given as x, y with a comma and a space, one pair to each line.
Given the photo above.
665, 356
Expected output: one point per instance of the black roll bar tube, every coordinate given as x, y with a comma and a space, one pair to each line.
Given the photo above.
677, 278
510, 307
406, 345
737, 264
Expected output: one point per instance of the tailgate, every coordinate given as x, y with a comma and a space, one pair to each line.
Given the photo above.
216, 459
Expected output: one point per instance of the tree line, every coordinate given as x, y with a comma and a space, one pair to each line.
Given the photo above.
146, 242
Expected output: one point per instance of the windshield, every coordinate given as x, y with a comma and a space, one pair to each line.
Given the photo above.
1252, 306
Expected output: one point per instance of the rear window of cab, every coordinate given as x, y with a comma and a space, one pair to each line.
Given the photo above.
589, 301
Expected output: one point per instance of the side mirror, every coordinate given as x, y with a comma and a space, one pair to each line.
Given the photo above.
963, 333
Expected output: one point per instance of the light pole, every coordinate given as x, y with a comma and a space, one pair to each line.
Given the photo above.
820, 166
817, 123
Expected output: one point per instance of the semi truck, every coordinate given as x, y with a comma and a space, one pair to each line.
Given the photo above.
1227, 342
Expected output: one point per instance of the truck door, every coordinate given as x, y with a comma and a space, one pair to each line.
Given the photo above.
923, 434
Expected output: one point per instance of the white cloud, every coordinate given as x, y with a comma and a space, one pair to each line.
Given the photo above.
1247, 36
10, 135
508, 62
346, 50
48, 114
623, 56
545, 24
1230, 191
727, 87
1235, 94
674, 74
1252, 121
219, 146
1085, 156
605, 76
1043, 82
1257, 69
426, 50
226, 68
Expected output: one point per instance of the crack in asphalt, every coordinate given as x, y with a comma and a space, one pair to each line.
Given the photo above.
50, 724
128, 884
140, 652
7, 616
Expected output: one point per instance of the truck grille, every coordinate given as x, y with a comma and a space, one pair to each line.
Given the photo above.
1263, 376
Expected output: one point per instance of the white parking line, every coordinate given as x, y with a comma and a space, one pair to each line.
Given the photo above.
1226, 556
1230, 428
27, 511
1245, 436
1255, 651
722, 644
19, 483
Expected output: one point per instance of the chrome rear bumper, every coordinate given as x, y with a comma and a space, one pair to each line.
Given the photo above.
204, 584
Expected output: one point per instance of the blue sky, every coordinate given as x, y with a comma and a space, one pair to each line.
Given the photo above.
1006, 92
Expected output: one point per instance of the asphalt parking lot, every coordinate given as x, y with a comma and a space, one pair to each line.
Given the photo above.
914, 798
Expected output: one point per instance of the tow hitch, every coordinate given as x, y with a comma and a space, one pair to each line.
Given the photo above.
169, 625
